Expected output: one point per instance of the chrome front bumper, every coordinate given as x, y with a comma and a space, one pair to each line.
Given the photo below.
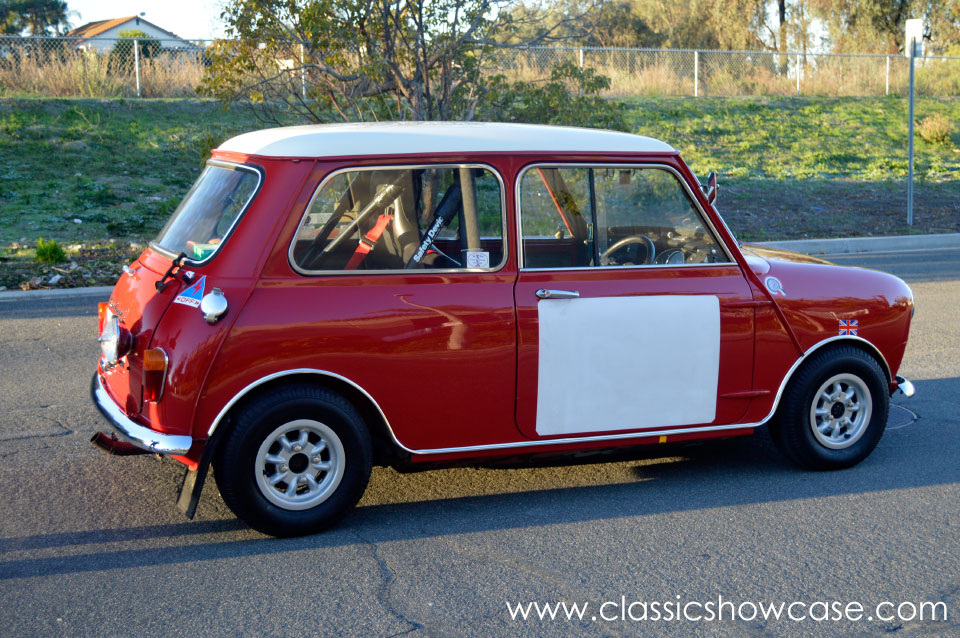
904, 385
141, 436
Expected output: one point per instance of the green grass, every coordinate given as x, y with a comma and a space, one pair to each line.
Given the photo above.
862, 139
91, 172
88, 170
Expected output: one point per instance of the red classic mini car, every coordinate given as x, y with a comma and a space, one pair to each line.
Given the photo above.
329, 298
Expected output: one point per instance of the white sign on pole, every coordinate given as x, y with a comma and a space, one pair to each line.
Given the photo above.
914, 33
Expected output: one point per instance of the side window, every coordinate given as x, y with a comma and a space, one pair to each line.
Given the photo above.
616, 216
447, 217
556, 217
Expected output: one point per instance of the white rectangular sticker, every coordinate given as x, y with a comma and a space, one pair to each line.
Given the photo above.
478, 259
619, 363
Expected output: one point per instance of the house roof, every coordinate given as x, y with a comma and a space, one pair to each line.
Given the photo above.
395, 138
93, 29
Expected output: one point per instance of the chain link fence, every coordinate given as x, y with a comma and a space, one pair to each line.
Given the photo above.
99, 67
652, 72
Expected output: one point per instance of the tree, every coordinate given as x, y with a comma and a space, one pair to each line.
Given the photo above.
878, 25
122, 57
34, 17
706, 24
599, 23
323, 60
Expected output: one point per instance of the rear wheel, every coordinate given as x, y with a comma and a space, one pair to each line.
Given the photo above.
296, 461
833, 411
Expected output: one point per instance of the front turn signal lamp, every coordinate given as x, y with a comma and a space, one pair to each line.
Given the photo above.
155, 364
102, 309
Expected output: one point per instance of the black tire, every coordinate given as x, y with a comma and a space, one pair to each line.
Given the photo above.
336, 438
795, 427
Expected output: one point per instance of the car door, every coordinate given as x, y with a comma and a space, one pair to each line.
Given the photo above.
631, 314
404, 290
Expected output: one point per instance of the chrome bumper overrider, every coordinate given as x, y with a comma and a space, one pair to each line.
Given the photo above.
904, 386
135, 433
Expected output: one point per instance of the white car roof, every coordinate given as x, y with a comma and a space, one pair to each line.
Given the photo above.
399, 138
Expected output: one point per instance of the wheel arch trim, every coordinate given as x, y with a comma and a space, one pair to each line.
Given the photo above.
860, 341
302, 371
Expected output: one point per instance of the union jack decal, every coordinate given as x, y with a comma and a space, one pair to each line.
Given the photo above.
849, 327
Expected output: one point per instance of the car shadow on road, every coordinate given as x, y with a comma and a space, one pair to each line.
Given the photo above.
717, 474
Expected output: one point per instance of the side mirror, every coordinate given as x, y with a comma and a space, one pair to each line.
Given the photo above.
711, 191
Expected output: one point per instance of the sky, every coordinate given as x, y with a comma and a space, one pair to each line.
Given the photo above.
189, 19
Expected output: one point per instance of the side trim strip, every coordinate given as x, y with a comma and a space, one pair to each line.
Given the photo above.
563, 441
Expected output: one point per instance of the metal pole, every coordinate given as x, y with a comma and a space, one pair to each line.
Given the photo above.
303, 76
581, 71
696, 74
136, 62
888, 76
910, 144
799, 70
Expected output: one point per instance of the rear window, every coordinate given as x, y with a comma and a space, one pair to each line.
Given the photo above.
208, 213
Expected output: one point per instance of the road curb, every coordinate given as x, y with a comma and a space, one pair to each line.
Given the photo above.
65, 293
839, 246
845, 245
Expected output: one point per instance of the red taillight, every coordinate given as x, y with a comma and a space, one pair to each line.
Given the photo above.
154, 373
102, 309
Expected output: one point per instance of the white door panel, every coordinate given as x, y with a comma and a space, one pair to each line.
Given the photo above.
617, 363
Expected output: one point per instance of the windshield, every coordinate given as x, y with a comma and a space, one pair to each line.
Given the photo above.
208, 213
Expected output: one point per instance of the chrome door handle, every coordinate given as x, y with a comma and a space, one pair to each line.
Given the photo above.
543, 293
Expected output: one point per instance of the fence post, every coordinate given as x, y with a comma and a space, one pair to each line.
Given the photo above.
887, 91
799, 73
303, 76
136, 62
581, 71
696, 74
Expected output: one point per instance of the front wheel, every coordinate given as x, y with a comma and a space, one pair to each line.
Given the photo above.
834, 410
296, 460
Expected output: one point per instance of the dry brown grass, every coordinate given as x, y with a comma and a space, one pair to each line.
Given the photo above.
171, 75
75, 73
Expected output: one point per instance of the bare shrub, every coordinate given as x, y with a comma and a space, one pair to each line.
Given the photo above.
935, 129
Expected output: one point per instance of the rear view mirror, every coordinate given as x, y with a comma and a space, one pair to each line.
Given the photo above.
710, 192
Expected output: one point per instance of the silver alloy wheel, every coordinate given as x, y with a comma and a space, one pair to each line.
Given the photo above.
300, 464
840, 411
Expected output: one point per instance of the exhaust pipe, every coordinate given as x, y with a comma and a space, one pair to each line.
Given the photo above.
113, 445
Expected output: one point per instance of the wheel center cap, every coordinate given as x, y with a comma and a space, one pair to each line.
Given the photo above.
837, 410
298, 463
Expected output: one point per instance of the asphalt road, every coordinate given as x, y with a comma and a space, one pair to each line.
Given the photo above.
92, 544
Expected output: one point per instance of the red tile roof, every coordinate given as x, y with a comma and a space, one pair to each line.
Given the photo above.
92, 29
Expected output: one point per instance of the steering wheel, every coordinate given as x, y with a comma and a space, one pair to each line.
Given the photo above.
650, 249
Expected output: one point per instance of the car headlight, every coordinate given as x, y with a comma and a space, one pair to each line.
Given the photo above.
115, 341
